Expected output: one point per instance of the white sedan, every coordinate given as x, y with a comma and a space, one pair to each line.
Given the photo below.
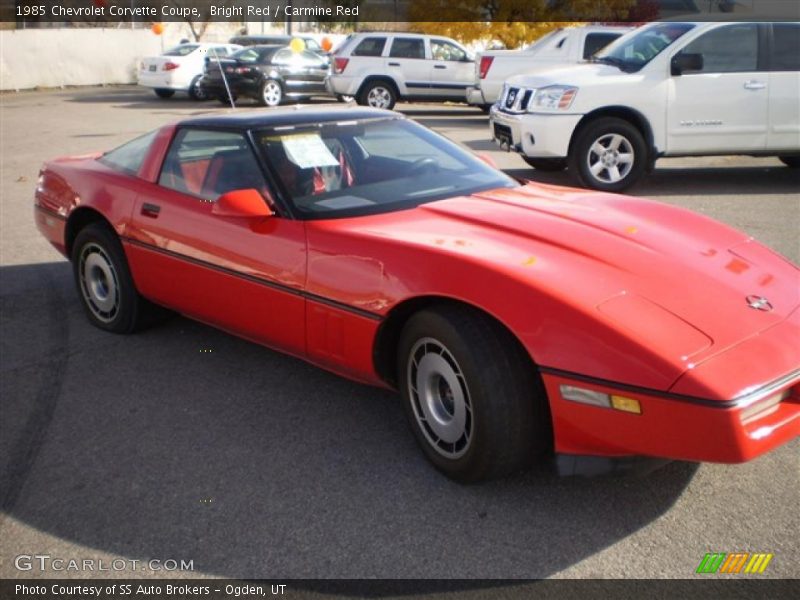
180, 69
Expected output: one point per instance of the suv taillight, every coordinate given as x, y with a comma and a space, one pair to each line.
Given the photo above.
170, 66
486, 62
339, 65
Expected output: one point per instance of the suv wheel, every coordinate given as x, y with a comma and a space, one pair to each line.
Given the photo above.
378, 94
608, 154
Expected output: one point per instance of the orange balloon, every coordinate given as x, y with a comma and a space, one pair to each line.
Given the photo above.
326, 44
157, 28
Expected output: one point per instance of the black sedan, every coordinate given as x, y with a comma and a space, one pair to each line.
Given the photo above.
269, 74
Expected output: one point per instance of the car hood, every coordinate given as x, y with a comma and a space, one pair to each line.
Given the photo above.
669, 276
566, 74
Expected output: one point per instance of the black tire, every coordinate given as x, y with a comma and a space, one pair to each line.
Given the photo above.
196, 91
508, 426
343, 98
792, 162
602, 131
164, 93
551, 165
485, 108
271, 93
97, 245
379, 93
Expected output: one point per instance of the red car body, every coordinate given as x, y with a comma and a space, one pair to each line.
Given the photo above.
694, 320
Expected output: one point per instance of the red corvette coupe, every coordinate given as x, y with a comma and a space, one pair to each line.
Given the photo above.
517, 321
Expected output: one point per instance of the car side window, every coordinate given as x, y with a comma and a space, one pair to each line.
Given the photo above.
207, 164
596, 42
443, 50
727, 49
785, 47
407, 48
129, 157
371, 46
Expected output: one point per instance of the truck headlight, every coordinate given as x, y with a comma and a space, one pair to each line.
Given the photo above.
553, 97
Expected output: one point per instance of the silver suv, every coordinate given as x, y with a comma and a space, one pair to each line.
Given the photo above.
378, 69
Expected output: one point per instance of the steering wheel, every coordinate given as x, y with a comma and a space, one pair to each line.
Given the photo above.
427, 164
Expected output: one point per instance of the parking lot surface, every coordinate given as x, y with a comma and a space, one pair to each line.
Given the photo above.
253, 464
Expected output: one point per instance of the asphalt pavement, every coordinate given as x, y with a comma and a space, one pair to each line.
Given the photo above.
253, 464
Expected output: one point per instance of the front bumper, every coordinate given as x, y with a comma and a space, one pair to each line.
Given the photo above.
533, 134
673, 426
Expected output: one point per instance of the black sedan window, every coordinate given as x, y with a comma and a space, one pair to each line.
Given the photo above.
357, 168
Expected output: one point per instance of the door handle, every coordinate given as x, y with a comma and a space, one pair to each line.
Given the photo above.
439, 67
394, 64
754, 85
150, 210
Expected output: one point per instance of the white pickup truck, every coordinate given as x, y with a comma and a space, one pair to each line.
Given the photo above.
565, 45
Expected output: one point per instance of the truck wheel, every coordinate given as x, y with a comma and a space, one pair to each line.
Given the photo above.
608, 154
378, 94
164, 93
790, 161
546, 164
474, 401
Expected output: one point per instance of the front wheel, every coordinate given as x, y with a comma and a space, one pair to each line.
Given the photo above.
378, 94
546, 164
104, 282
475, 404
608, 154
271, 93
790, 161
164, 93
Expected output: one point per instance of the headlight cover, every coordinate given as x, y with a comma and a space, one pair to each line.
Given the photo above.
553, 97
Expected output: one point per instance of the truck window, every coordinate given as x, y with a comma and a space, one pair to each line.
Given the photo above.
597, 41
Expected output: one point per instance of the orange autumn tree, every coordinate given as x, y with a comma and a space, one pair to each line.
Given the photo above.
513, 22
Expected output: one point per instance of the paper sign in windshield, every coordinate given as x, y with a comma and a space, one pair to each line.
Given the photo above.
308, 151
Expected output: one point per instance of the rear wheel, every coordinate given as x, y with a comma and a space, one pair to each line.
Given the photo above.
546, 164
378, 94
196, 91
164, 93
608, 154
472, 397
271, 93
104, 282
790, 161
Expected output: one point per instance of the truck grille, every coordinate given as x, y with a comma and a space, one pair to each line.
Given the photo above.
515, 99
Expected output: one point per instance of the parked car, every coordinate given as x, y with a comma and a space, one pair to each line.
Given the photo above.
667, 89
565, 45
270, 74
180, 69
516, 320
378, 69
277, 40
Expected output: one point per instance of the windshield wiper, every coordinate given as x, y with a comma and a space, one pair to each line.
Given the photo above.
613, 61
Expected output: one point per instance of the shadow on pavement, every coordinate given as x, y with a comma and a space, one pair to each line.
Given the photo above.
184, 442
678, 181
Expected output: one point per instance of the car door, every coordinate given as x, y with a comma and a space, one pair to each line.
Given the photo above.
407, 65
722, 106
242, 274
784, 88
452, 69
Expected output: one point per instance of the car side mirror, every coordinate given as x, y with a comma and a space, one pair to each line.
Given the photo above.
247, 203
686, 62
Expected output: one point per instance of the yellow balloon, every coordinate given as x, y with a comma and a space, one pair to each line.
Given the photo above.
297, 45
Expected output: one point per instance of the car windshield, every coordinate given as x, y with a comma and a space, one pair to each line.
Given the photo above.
369, 167
633, 51
182, 50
